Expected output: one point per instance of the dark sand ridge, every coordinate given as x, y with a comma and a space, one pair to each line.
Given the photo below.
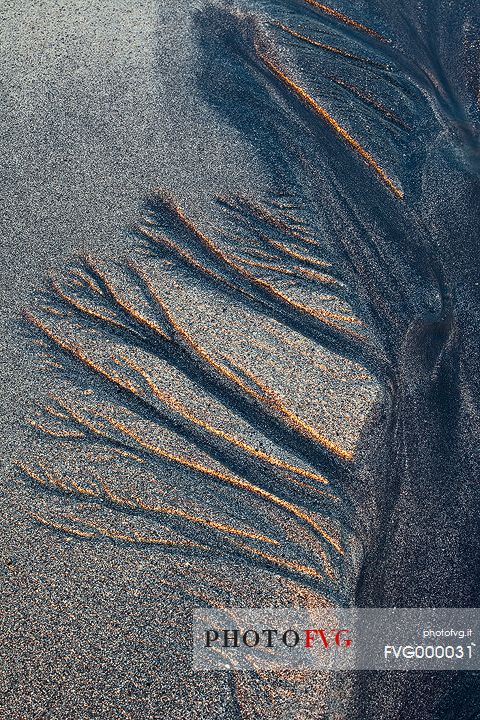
393, 304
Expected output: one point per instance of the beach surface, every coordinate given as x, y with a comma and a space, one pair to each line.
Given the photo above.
247, 371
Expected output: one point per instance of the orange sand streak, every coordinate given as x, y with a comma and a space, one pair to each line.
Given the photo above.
345, 19
219, 475
297, 270
289, 564
270, 219
88, 281
319, 110
229, 529
323, 46
293, 419
125, 305
161, 238
187, 414
59, 526
85, 309
295, 254
54, 433
76, 352
323, 315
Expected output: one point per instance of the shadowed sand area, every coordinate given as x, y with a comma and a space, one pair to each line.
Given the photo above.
266, 391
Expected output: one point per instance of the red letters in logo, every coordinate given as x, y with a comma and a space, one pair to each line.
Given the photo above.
340, 637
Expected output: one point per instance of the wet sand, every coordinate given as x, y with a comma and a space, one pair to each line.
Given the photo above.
257, 387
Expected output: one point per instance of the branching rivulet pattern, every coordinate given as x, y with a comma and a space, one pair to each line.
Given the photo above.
224, 374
